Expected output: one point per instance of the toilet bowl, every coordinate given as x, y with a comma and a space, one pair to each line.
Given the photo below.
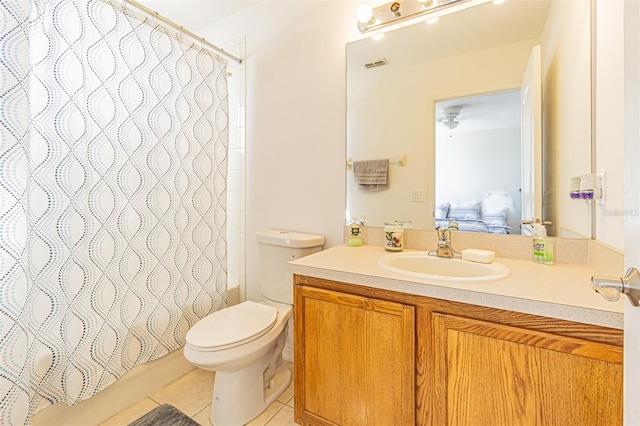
246, 353
243, 343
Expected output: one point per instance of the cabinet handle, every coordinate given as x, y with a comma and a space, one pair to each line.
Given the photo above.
611, 288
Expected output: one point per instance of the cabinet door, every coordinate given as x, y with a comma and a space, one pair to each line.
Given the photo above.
354, 359
494, 374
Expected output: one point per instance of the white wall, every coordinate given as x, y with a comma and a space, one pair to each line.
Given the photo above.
566, 58
236, 191
295, 64
609, 219
567, 114
491, 162
490, 159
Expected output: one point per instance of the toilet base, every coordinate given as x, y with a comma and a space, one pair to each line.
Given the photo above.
231, 387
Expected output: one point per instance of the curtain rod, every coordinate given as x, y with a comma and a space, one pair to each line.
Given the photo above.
183, 30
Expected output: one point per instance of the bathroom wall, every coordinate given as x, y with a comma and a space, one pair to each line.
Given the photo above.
296, 119
566, 114
236, 191
136, 384
568, 55
609, 150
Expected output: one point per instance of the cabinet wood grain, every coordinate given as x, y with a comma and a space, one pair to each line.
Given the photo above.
497, 374
354, 359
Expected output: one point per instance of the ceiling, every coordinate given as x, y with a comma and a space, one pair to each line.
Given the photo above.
194, 14
486, 112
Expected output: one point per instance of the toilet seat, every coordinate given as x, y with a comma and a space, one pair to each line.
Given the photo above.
232, 326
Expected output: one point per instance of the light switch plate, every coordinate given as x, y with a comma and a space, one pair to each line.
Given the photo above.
600, 190
417, 195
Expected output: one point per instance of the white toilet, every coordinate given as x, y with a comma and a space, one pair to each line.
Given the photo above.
243, 343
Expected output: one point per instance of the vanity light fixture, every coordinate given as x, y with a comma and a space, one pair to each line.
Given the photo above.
406, 12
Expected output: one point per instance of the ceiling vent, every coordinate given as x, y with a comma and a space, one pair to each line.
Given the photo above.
379, 63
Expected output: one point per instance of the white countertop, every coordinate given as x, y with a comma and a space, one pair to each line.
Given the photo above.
559, 291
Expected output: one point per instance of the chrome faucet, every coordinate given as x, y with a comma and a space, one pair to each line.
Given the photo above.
444, 244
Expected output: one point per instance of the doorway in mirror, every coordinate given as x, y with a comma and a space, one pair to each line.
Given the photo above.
478, 163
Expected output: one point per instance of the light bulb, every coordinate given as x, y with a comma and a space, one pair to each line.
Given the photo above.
433, 20
364, 13
379, 36
450, 122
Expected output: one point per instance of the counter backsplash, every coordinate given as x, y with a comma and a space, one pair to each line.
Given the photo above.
604, 259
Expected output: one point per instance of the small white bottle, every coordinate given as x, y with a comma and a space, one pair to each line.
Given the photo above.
542, 246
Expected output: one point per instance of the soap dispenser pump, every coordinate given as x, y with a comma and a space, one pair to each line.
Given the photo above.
542, 246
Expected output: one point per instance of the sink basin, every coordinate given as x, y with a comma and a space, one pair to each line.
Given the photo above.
421, 265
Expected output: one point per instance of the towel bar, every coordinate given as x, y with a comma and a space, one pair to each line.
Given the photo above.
401, 160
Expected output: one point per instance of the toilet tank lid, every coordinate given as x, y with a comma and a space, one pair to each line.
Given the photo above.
276, 237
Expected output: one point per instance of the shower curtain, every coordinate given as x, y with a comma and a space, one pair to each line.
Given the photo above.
113, 163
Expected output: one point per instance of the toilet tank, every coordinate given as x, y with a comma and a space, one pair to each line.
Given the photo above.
275, 249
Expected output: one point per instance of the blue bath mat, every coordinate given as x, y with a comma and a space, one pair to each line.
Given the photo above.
164, 415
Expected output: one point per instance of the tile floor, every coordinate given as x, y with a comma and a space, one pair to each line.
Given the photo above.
191, 394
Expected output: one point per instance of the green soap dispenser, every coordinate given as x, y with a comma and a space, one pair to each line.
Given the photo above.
542, 246
355, 233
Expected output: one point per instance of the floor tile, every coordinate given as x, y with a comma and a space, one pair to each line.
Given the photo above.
203, 416
284, 417
267, 414
189, 394
287, 395
132, 413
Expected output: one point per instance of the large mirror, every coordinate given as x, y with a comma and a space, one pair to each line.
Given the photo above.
401, 87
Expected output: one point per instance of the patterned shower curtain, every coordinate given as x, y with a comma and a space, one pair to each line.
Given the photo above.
113, 163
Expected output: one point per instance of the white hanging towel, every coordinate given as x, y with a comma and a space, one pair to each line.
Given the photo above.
371, 175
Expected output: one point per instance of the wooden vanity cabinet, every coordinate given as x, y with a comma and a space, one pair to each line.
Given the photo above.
354, 359
502, 375
365, 356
